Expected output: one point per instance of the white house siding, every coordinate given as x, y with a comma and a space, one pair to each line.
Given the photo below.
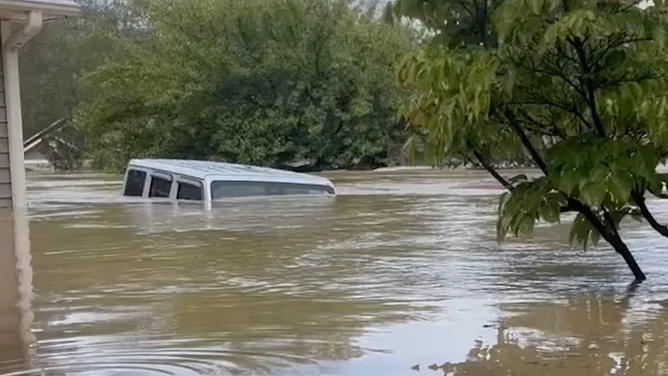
5, 176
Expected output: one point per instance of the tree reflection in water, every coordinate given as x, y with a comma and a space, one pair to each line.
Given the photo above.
591, 335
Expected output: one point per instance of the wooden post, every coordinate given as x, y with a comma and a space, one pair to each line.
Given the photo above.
15, 270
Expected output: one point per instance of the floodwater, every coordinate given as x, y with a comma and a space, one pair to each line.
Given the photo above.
398, 275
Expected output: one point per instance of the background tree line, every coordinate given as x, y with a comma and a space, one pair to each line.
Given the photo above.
271, 82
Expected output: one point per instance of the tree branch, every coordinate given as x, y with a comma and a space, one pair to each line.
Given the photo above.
509, 187
589, 83
555, 131
541, 100
558, 72
611, 223
493, 172
564, 54
573, 204
612, 44
639, 199
525, 140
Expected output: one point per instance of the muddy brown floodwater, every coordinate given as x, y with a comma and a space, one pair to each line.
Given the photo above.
398, 275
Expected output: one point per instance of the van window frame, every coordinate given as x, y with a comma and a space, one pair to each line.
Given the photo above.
163, 176
146, 180
175, 178
197, 183
324, 189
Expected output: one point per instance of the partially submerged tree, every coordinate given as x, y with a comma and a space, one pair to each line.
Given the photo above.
578, 85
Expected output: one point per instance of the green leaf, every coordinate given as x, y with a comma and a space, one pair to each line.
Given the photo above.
593, 193
572, 235
580, 231
558, 197
503, 199
655, 186
536, 6
595, 236
599, 173
526, 225
517, 179
622, 185
649, 157
509, 81
550, 211
502, 226
615, 58
568, 182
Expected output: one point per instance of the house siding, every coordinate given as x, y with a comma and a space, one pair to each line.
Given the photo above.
5, 175
9, 292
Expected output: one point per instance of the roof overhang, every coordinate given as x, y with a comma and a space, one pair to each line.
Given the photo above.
17, 10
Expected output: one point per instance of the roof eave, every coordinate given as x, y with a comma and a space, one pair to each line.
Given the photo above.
49, 10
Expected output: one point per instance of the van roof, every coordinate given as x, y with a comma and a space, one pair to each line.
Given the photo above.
227, 171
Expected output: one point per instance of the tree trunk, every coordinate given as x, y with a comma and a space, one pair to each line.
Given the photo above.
609, 232
621, 248
644, 210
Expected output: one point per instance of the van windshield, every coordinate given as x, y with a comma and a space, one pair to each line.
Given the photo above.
223, 189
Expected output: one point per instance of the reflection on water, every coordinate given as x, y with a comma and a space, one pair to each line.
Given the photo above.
588, 334
398, 272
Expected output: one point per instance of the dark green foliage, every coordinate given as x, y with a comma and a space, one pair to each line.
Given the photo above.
579, 86
61, 149
262, 82
58, 55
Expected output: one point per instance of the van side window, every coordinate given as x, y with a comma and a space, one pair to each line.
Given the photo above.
134, 185
189, 192
222, 189
160, 187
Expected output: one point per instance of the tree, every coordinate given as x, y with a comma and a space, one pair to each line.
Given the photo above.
262, 82
579, 86
53, 60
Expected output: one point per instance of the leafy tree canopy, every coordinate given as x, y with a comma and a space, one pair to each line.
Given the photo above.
51, 62
577, 85
263, 82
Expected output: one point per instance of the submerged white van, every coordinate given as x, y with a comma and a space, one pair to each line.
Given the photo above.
209, 181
